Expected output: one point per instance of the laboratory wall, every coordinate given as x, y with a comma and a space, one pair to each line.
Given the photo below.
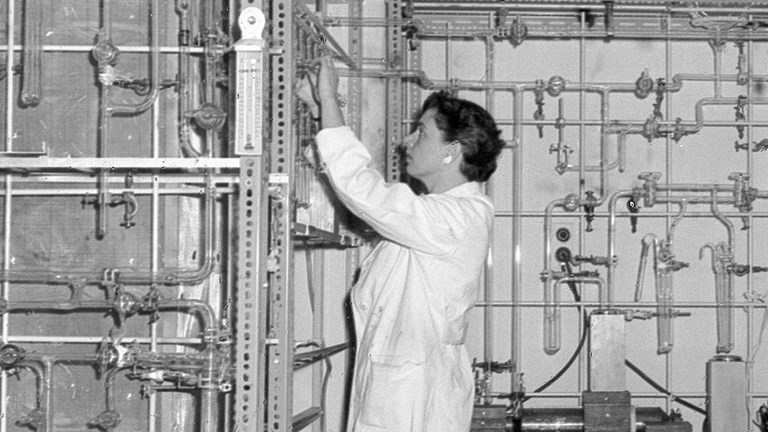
174, 258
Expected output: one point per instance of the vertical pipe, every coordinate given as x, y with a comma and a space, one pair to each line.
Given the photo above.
488, 276
750, 239
7, 201
154, 237
516, 335
316, 277
717, 50
583, 375
448, 52
610, 268
9, 73
668, 179
6, 285
48, 392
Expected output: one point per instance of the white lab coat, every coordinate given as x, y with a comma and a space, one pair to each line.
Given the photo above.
411, 301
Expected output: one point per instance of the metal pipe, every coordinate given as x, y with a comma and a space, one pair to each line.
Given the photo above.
611, 242
194, 276
566, 419
99, 339
109, 108
184, 73
47, 387
204, 310
552, 330
629, 305
516, 335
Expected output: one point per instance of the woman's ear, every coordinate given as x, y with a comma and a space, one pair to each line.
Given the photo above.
453, 151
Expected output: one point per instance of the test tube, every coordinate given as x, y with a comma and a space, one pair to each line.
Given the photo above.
664, 303
724, 299
32, 92
551, 317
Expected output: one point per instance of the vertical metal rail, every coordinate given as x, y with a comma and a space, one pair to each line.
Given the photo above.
279, 330
249, 304
394, 89
10, 25
250, 299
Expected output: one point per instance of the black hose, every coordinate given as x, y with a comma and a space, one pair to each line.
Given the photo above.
660, 388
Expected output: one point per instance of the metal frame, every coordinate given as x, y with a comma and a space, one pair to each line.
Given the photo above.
468, 20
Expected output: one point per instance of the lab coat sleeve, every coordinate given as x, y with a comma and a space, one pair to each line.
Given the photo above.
425, 223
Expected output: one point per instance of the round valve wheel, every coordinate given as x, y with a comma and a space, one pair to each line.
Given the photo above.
10, 355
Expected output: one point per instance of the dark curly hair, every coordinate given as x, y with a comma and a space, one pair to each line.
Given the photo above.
473, 127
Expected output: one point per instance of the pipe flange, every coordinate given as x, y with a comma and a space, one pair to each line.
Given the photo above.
127, 303
209, 116
556, 85
571, 202
10, 355
643, 85
105, 52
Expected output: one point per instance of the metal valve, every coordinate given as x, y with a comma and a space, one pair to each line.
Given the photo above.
740, 116
208, 116
589, 208
633, 209
643, 85
539, 99
10, 355
556, 85
104, 52
649, 187
742, 66
518, 31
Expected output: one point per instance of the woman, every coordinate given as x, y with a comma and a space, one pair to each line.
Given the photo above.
411, 302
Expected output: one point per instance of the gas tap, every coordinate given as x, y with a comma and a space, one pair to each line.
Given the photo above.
743, 75
633, 209
590, 202
539, 113
740, 117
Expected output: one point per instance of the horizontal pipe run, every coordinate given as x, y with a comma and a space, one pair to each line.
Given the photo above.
182, 180
116, 164
168, 277
635, 395
79, 192
204, 309
100, 339
624, 214
626, 305
122, 48
554, 7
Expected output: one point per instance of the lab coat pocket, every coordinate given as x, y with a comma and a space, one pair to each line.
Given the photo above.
393, 390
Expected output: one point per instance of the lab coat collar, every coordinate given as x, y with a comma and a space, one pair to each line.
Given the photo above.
465, 189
